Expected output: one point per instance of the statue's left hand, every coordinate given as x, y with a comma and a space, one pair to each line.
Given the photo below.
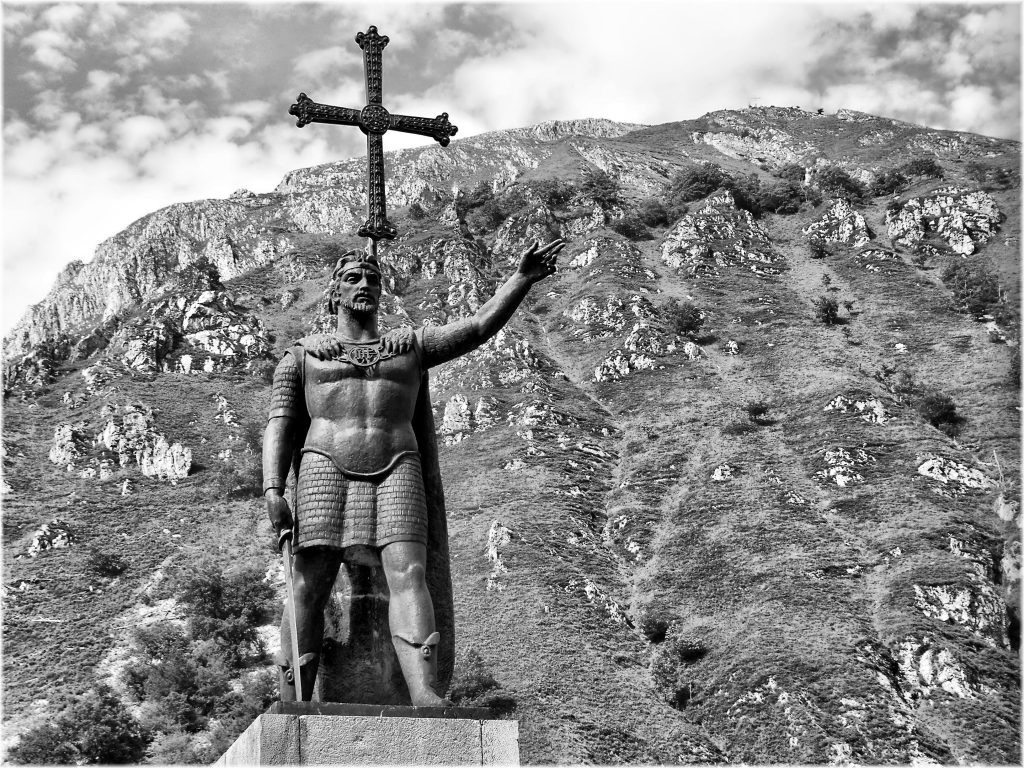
539, 262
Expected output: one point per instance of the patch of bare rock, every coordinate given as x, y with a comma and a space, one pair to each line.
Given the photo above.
963, 218
719, 235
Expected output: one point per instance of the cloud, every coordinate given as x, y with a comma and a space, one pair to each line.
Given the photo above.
155, 36
52, 50
315, 66
63, 17
140, 133
924, 64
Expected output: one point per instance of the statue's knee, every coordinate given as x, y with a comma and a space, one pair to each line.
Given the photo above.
409, 576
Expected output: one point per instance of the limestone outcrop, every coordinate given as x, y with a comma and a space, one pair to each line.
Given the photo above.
963, 218
719, 235
840, 223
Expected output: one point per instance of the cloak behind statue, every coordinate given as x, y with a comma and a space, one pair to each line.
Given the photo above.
358, 663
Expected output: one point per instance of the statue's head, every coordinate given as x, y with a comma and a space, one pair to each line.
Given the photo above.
355, 284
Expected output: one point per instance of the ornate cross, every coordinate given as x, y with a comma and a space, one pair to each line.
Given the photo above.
373, 120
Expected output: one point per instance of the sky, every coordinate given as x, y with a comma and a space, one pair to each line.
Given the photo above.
112, 111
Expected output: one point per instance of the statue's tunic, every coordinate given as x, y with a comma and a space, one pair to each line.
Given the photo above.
359, 482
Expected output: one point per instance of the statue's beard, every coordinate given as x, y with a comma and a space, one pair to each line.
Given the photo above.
361, 306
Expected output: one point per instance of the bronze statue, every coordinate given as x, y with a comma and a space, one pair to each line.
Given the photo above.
360, 492
350, 413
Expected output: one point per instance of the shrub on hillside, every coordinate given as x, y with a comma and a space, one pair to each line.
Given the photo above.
555, 193
105, 562
757, 410
182, 684
601, 188
694, 183
95, 728
826, 309
819, 248
925, 167
630, 226
838, 183
975, 289
476, 197
939, 410
791, 172
473, 685
683, 318
226, 607
991, 177
887, 183
416, 211
654, 213
749, 192
201, 275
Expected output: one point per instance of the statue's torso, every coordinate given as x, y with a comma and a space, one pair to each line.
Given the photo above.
362, 417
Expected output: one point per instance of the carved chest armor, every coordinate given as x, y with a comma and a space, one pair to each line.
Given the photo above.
361, 417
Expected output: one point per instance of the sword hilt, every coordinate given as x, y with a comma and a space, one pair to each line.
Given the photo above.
283, 536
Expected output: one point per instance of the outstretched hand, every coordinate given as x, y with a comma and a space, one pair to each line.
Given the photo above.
539, 262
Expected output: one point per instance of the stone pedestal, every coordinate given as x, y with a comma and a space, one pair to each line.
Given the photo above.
314, 733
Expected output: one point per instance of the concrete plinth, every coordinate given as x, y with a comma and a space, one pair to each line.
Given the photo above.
311, 733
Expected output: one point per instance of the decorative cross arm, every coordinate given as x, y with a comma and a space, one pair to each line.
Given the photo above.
374, 121
377, 120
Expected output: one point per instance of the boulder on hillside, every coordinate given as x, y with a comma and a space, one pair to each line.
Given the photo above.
719, 235
69, 444
840, 223
134, 440
963, 218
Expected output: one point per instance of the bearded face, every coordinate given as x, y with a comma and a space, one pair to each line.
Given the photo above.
357, 291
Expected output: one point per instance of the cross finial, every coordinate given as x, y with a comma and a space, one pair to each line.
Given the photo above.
374, 121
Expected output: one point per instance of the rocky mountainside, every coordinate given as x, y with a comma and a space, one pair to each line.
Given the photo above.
738, 484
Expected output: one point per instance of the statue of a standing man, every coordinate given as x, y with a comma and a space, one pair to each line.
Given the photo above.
342, 408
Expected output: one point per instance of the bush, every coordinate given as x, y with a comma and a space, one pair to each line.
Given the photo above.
475, 198
791, 172
683, 318
653, 213
631, 227
783, 199
554, 192
601, 188
939, 410
826, 309
975, 290
95, 728
922, 166
887, 182
694, 183
474, 685
838, 183
184, 684
756, 412
226, 607
416, 211
819, 249
491, 214
992, 177
106, 563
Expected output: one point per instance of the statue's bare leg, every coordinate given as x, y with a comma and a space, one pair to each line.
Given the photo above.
411, 614
313, 574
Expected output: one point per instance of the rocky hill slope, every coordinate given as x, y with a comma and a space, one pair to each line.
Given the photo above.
737, 484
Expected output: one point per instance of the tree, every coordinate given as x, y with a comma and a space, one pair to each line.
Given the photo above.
95, 728
601, 188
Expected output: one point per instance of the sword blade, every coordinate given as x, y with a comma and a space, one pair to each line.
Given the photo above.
293, 621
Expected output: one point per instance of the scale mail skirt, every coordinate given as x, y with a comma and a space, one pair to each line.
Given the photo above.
334, 510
